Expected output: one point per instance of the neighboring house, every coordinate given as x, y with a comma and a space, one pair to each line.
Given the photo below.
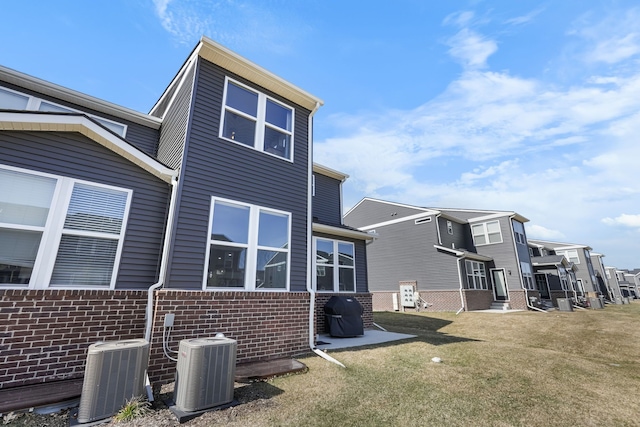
457, 259
580, 255
203, 207
629, 283
554, 275
613, 282
600, 273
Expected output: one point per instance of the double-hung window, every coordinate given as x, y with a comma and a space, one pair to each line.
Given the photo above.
476, 275
486, 233
335, 266
59, 232
248, 247
571, 255
253, 119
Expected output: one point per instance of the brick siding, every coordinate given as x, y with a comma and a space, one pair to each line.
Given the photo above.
44, 334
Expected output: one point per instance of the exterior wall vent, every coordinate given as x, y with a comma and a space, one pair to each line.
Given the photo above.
422, 220
205, 373
114, 374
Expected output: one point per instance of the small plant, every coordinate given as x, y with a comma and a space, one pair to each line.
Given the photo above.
134, 408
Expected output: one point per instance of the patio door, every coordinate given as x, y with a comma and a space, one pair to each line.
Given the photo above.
543, 285
500, 292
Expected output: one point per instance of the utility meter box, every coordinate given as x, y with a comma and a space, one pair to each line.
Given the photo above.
406, 295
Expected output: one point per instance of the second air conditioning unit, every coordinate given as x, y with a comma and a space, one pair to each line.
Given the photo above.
205, 373
114, 373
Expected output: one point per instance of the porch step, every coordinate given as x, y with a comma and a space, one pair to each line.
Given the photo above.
500, 306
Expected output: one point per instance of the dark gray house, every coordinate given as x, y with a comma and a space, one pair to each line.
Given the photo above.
456, 259
204, 208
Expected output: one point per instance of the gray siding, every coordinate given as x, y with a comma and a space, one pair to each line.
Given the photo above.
460, 237
405, 251
504, 255
75, 156
326, 201
173, 132
362, 283
370, 212
141, 137
218, 167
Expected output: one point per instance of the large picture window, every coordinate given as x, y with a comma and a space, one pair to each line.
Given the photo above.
527, 276
252, 118
248, 248
486, 233
59, 232
335, 269
476, 275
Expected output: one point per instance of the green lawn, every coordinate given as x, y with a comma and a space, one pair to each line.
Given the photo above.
513, 369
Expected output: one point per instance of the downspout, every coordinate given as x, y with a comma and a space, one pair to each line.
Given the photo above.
460, 280
161, 275
312, 293
515, 249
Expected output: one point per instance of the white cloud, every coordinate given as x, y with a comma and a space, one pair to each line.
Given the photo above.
626, 220
524, 19
471, 48
535, 231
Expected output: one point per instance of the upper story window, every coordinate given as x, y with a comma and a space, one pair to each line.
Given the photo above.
486, 233
253, 119
518, 231
571, 255
527, 276
59, 232
248, 247
449, 227
335, 266
12, 100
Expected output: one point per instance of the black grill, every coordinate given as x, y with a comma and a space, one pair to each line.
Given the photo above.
343, 317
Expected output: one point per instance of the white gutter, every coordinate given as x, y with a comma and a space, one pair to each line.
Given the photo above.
161, 275
515, 249
460, 280
310, 255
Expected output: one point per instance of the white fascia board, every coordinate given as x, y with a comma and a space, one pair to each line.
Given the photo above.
398, 220
464, 254
229, 60
344, 232
42, 86
87, 127
331, 173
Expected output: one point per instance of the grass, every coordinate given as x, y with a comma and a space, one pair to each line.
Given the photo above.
513, 369
136, 407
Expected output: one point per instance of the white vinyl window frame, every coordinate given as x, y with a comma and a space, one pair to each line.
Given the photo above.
34, 103
259, 119
570, 254
54, 229
476, 275
485, 233
319, 268
252, 247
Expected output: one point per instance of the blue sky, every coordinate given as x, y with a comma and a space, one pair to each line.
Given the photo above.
525, 106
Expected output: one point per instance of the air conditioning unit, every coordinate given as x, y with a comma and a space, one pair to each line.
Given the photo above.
205, 373
114, 373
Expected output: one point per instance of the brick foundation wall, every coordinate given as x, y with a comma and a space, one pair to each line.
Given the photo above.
477, 299
517, 298
438, 300
559, 294
266, 325
363, 298
44, 334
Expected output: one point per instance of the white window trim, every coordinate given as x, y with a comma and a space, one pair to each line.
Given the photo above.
54, 228
336, 267
260, 120
565, 253
476, 277
527, 277
486, 233
33, 104
251, 246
